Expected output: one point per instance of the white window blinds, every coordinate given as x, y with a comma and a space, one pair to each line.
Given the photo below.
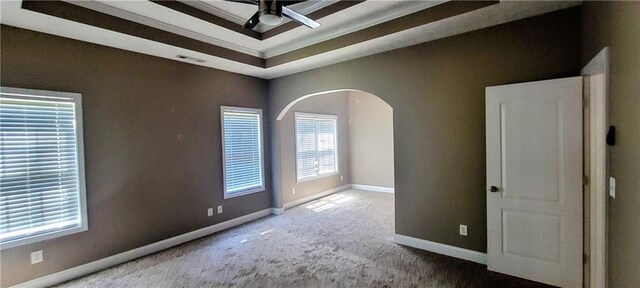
41, 189
242, 151
316, 145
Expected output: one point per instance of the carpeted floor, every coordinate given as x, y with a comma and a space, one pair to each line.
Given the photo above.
342, 240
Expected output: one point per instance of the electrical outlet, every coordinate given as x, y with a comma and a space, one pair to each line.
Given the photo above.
220, 209
210, 212
36, 257
293, 191
341, 178
463, 230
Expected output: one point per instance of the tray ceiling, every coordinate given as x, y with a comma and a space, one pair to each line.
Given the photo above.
210, 33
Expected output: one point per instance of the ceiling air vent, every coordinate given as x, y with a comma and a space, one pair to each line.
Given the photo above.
191, 59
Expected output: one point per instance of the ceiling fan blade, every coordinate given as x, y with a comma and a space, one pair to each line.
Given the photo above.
253, 21
295, 16
251, 2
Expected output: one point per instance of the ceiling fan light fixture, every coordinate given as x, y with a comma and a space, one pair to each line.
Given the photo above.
270, 12
270, 19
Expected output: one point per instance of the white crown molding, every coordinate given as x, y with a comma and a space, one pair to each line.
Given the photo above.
78, 271
505, 11
204, 6
11, 14
403, 8
145, 13
104, 7
443, 249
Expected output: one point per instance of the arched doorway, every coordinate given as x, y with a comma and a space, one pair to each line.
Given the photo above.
363, 142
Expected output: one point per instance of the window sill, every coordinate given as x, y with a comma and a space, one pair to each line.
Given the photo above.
42, 237
307, 179
243, 193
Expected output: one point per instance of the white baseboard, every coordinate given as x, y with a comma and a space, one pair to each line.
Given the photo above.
448, 250
75, 272
373, 188
331, 191
315, 196
277, 211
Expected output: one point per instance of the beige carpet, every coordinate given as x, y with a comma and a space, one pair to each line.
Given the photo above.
342, 240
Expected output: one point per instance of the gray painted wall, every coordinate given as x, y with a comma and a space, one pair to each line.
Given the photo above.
371, 140
144, 183
617, 25
333, 104
436, 91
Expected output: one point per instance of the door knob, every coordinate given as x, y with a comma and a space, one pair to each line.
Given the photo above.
493, 189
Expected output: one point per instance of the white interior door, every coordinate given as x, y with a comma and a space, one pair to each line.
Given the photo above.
534, 180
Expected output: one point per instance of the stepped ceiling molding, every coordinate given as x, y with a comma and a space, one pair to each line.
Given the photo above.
209, 32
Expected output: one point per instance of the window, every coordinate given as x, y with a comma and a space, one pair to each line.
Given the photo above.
242, 151
316, 146
42, 191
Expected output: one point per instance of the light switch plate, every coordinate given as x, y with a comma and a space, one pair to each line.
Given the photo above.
36, 257
463, 230
612, 187
220, 209
210, 212
293, 191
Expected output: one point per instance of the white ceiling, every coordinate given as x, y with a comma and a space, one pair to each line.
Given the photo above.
343, 22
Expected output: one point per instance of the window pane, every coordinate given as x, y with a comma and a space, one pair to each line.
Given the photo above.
316, 151
39, 179
242, 151
326, 146
306, 152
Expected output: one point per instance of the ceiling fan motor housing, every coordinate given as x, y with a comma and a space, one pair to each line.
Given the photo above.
270, 12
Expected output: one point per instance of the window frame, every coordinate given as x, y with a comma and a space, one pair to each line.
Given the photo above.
295, 135
257, 111
66, 97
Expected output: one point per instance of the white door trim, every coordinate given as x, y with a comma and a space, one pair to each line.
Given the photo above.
596, 73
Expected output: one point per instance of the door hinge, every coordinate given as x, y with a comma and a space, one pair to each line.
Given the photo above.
585, 258
585, 180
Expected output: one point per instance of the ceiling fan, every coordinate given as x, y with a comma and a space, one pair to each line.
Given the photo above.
270, 12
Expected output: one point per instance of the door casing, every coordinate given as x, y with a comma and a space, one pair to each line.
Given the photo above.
596, 121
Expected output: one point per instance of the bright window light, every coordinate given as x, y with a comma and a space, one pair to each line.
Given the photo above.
242, 151
316, 146
42, 190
